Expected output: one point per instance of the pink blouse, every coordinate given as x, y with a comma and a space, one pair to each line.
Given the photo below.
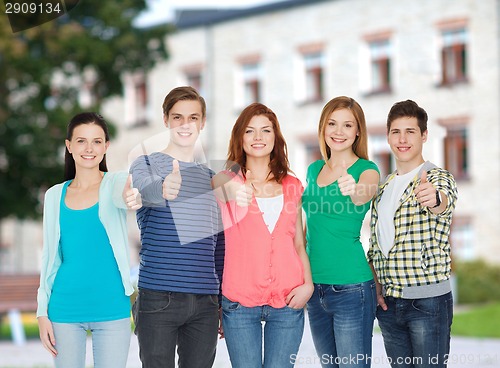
261, 268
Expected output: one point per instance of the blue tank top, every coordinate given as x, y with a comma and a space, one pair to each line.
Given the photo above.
88, 286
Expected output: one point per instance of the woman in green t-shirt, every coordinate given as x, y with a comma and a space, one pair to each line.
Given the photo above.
336, 199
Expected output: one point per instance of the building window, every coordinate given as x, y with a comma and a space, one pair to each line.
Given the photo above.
313, 64
454, 56
193, 76
384, 162
136, 97
313, 152
380, 153
380, 68
194, 80
462, 239
456, 152
142, 94
251, 83
141, 102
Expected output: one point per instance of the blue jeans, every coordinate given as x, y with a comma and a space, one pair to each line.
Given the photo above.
166, 320
283, 331
110, 343
341, 319
416, 332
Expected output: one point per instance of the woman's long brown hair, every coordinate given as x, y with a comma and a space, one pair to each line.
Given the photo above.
79, 119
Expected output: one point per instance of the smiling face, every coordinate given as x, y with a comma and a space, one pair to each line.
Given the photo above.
258, 140
341, 130
406, 142
185, 121
87, 145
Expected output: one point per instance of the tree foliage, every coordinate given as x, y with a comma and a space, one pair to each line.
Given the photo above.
42, 73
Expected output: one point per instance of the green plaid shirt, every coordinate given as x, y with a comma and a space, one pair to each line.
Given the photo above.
420, 254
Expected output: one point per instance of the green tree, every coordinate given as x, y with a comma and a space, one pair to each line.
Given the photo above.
41, 71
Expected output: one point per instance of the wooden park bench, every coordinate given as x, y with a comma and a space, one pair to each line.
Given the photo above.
18, 294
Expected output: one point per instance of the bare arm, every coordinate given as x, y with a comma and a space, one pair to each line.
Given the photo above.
228, 188
299, 296
378, 285
221, 184
366, 187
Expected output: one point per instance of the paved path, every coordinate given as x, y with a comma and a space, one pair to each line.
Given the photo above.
465, 353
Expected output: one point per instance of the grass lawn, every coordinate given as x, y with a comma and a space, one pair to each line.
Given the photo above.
30, 327
29, 322
478, 321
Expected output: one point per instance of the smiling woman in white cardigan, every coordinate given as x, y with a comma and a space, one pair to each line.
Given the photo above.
85, 275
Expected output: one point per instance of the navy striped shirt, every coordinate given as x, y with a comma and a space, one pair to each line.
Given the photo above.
182, 240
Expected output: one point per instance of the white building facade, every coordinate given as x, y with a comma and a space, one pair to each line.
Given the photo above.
294, 56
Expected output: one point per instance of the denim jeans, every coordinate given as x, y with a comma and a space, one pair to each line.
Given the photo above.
165, 320
416, 332
341, 319
283, 329
110, 343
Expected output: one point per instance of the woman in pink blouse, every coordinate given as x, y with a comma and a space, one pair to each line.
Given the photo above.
267, 277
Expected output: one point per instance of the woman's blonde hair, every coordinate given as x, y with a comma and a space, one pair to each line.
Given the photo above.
360, 145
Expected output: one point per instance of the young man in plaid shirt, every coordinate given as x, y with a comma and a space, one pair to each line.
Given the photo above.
409, 247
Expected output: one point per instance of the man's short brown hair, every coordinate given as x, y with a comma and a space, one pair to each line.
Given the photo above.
182, 94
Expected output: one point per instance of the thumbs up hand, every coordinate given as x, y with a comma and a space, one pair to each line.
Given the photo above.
131, 195
346, 182
425, 192
172, 182
244, 192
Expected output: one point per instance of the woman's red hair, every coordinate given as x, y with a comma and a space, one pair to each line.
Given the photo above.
236, 157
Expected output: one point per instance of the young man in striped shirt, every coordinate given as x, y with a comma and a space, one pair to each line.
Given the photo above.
182, 244
409, 247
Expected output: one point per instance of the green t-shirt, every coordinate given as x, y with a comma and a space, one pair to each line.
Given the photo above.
333, 229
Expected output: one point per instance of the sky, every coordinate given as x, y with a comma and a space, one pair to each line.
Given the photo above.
162, 11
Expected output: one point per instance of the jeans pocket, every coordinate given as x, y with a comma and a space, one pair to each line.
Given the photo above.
292, 309
153, 301
347, 288
214, 299
428, 306
229, 305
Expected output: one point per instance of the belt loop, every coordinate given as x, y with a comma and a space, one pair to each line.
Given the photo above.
321, 292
